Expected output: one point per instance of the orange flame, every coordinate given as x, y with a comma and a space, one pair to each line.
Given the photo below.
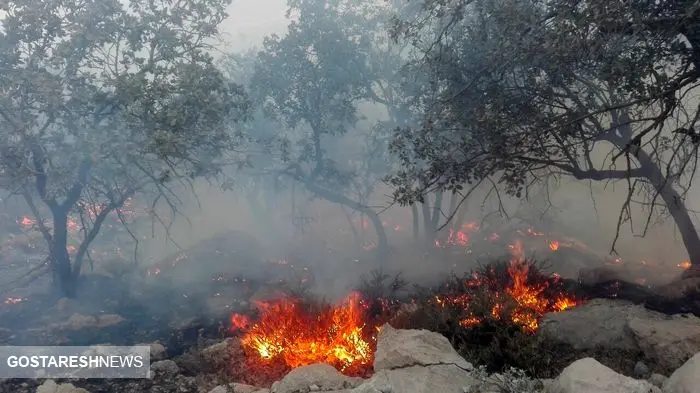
26, 222
531, 303
553, 245
239, 322
685, 265
288, 331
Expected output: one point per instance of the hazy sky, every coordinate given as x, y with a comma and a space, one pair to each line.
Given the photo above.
251, 20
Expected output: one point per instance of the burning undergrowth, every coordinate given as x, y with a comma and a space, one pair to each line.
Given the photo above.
517, 292
490, 315
292, 332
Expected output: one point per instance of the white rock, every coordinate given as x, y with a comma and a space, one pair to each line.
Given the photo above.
669, 341
218, 354
80, 322
158, 351
447, 378
589, 376
165, 368
235, 387
397, 348
598, 323
49, 386
324, 376
657, 379
686, 379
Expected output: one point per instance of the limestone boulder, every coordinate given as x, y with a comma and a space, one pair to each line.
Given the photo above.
315, 377
588, 376
598, 323
667, 340
235, 387
686, 379
50, 386
398, 348
440, 378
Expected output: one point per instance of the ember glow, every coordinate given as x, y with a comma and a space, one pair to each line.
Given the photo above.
297, 334
74, 226
684, 265
553, 245
287, 330
531, 301
13, 300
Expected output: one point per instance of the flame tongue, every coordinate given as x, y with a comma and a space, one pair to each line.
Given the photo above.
299, 334
530, 300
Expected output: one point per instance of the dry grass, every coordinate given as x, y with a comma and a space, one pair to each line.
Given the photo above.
496, 343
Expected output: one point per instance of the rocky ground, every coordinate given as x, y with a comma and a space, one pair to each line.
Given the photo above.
611, 345
411, 361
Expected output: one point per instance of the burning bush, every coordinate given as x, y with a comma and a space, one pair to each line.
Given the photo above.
516, 292
299, 332
490, 315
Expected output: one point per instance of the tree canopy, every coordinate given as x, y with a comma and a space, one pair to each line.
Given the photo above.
101, 100
529, 90
334, 57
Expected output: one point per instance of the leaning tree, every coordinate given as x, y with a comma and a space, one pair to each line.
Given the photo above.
101, 100
311, 81
530, 90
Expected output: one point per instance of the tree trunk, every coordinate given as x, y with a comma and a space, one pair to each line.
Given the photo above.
355, 235
437, 211
60, 259
91, 235
677, 209
416, 222
382, 241
428, 231
451, 211
650, 170
458, 220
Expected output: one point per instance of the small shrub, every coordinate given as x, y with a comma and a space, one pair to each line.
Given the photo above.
384, 295
513, 380
484, 322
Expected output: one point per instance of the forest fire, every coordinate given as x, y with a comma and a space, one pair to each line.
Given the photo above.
684, 265
529, 301
91, 211
299, 333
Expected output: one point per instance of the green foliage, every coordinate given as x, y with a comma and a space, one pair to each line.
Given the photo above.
311, 80
526, 90
101, 100
495, 342
334, 57
307, 87
523, 93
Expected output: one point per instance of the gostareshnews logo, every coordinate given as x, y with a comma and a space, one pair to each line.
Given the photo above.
126, 362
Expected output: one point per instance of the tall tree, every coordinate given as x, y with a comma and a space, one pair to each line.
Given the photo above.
526, 90
312, 80
101, 100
